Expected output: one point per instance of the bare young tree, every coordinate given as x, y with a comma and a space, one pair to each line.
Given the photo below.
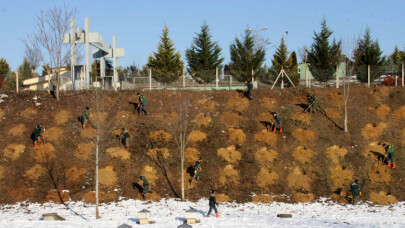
347, 57
33, 56
185, 125
51, 25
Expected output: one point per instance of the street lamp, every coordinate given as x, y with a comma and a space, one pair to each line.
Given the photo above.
256, 45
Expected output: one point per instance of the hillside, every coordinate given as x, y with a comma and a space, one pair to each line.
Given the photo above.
313, 157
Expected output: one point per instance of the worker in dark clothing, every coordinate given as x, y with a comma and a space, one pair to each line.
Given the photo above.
142, 104
36, 134
197, 169
212, 203
85, 117
389, 155
125, 137
355, 190
145, 186
311, 103
249, 85
278, 124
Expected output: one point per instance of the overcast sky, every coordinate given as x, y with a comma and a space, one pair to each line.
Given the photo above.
138, 24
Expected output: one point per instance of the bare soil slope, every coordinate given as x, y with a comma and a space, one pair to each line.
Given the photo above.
242, 159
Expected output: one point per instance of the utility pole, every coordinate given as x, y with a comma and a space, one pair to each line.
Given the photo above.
150, 78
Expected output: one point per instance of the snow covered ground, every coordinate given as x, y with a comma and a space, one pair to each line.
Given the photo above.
170, 213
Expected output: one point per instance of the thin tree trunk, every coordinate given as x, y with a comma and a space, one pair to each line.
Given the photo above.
97, 154
182, 166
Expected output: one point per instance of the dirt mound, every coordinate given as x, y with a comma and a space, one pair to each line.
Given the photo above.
382, 198
203, 121
334, 113
336, 153
230, 154
170, 117
303, 198
44, 153
262, 198
160, 136
266, 177
157, 153
400, 112
382, 111
61, 117
117, 152
381, 93
231, 119
53, 134
265, 156
74, 174
108, 177
335, 99
372, 131
93, 117
303, 135
303, 154
104, 197
88, 133
29, 112
84, 150
117, 132
266, 137
13, 151
265, 117
209, 105
379, 174
191, 154
269, 103
35, 172
341, 177
150, 173
221, 197
304, 118
16, 131
53, 196
298, 180
123, 116
372, 148
229, 175
236, 135
197, 136
237, 104
21, 194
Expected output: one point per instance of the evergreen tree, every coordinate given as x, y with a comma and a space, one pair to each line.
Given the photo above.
25, 71
166, 63
282, 61
396, 59
244, 58
46, 70
4, 67
323, 57
95, 69
203, 56
368, 53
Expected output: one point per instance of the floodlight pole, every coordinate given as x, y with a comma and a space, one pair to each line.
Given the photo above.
73, 58
102, 66
88, 50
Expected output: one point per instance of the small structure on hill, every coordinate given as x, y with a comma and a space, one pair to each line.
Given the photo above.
143, 216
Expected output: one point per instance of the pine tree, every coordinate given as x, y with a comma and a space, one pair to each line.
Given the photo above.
204, 56
25, 71
4, 67
396, 59
244, 58
368, 53
323, 56
166, 63
282, 61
